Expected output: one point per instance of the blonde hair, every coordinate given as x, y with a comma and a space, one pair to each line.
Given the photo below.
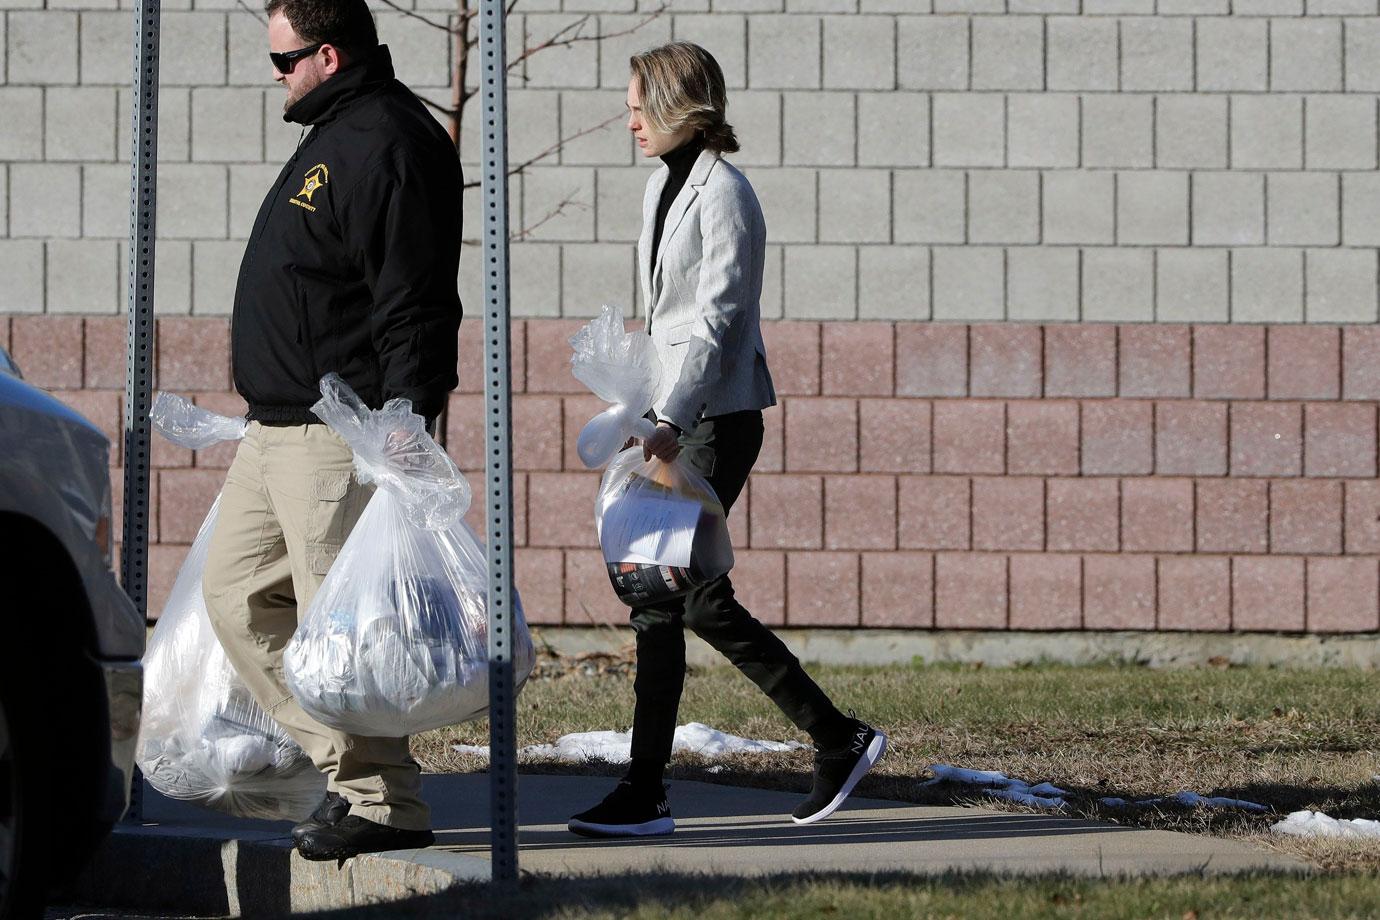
682, 85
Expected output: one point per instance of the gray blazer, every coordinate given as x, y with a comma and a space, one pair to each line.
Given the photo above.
704, 295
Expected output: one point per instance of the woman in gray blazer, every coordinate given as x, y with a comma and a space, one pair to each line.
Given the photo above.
700, 258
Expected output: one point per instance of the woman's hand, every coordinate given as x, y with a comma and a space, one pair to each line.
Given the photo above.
664, 444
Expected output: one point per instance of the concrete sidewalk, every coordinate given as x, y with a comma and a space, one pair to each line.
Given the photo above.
184, 858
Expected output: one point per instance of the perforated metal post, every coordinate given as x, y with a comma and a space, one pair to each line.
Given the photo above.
499, 467
139, 305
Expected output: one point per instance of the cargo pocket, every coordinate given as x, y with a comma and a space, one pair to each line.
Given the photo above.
330, 512
321, 556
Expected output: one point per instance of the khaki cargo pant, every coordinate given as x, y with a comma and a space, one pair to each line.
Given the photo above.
289, 501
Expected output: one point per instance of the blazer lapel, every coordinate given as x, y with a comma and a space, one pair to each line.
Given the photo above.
644, 245
699, 174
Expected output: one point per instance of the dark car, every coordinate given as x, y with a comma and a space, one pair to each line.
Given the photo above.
70, 677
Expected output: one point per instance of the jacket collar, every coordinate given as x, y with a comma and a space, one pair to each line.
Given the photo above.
328, 100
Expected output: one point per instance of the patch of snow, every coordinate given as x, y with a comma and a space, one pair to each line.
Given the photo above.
616, 747
999, 785
1316, 824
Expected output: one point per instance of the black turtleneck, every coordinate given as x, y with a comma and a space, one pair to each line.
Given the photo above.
680, 161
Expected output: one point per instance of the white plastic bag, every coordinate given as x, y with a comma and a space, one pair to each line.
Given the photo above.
396, 639
203, 738
620, 368
661, 528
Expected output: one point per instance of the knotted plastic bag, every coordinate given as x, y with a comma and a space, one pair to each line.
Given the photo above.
203, 738
622, 369
396, 639
661, 528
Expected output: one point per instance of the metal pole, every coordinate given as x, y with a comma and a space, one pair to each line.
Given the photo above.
139, 306
499, 466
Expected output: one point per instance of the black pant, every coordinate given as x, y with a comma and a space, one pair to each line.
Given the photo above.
722, 449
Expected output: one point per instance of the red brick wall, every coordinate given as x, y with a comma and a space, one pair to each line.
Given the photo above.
923, 474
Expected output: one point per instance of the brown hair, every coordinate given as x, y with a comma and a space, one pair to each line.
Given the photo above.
347, 24
681, 84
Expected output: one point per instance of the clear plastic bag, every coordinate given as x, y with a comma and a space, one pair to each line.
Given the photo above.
203, 738
396, 640
620, 368
661, 527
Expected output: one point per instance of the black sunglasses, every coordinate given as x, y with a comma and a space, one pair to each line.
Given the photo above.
284, 61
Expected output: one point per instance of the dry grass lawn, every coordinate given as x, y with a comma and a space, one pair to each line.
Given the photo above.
1288, 739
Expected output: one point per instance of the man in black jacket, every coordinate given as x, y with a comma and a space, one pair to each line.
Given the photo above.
350, 267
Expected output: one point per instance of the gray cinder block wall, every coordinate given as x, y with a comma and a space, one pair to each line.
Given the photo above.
1103, 160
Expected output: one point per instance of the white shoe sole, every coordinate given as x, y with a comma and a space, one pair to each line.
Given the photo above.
866, 762
654, 828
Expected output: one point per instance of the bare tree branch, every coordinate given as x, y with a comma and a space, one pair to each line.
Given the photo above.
440, 109
252, 12
559, 210
412, 14
563, 141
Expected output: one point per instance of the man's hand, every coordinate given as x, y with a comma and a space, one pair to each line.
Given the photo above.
664, 444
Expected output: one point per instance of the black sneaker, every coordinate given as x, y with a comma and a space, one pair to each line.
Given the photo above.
838, 771
332, 808
627, 811
352, 835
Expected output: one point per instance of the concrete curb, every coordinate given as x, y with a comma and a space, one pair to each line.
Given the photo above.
1009, 648
240, 873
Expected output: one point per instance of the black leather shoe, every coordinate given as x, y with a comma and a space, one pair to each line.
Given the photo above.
352, 835
332, 808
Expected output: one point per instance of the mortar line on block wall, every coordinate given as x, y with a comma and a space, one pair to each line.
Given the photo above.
929, 129
1044, 54
1303, 441
1343, 53
1154, 437
1154, 286
1082, 591
1120, 504
1118, 55
891, 206
1269, 55
970, 545
1193, 57
1193, 338
1154, 132
1005, 131
1307, 607
1155, 590
819, 62
857, 291
1341, 202
931, 450
1303, 288
1006, 572
856, 120
1005, 283
968, 36
1193, 515
1116, 200
1078, 290
967, 211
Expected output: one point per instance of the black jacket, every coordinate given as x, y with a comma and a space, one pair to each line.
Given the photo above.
351, 266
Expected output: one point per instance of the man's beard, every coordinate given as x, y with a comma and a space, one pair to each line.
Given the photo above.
306, 86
